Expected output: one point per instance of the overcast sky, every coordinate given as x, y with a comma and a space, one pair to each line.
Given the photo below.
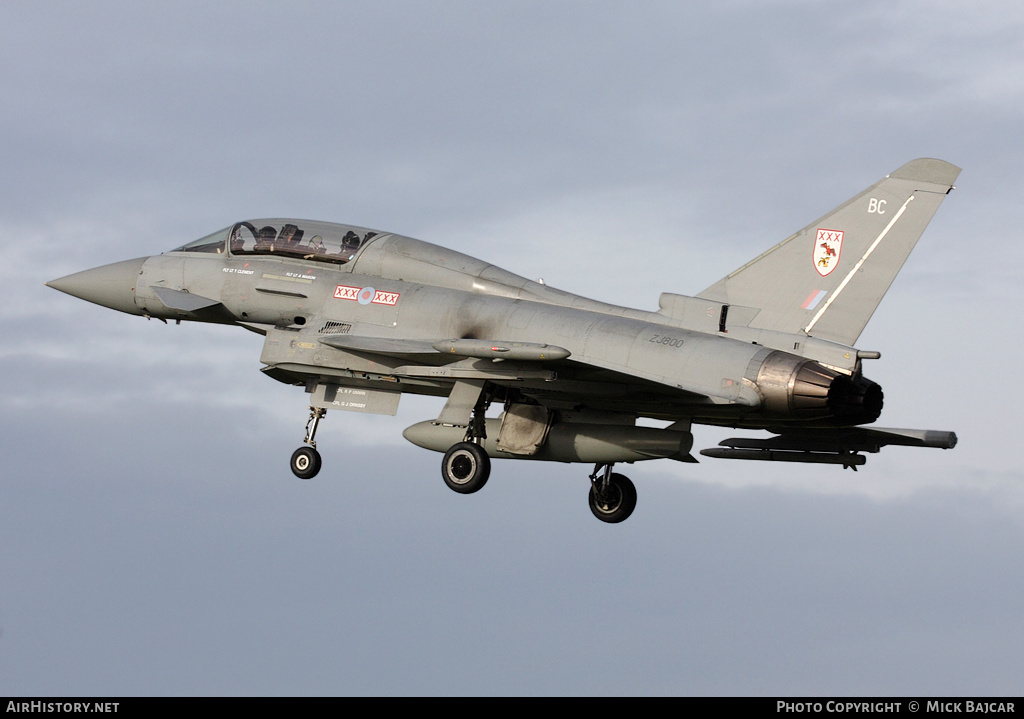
152, 538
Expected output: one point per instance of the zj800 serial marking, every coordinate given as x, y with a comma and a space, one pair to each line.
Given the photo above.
667, 341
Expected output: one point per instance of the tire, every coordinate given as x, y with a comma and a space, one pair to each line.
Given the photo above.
466, 467
616, 503
305, 462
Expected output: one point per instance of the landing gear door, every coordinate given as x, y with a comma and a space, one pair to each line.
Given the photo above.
524, 429
355, 399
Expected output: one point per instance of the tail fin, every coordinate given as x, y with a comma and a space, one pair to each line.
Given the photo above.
828, 278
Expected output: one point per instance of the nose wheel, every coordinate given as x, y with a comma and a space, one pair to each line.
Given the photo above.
306, 460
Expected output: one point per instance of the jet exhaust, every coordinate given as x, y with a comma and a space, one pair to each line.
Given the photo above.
797, 388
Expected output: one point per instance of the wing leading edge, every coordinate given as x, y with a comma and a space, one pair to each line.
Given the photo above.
459, 348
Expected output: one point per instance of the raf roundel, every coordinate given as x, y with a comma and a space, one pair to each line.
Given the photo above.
366, 295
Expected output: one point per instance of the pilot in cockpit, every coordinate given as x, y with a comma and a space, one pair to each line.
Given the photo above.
290, 237
265, 239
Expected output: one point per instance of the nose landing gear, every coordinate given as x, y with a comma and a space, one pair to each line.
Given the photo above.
306, 460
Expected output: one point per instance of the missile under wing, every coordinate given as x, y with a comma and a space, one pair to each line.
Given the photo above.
357, 317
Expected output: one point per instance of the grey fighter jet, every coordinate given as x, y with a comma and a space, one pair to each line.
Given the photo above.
357, 317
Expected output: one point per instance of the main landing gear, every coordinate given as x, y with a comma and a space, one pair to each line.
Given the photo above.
612, 496
306, 460
466, 466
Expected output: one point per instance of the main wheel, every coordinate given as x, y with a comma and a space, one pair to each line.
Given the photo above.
466, 467
616, 502
305, 462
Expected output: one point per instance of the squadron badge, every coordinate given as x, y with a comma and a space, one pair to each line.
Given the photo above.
827, 247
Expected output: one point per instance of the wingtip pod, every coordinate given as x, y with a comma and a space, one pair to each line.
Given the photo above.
927, 169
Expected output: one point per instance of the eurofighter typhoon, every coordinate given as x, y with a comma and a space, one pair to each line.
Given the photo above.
357, 317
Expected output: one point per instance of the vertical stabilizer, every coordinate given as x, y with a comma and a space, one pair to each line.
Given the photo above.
827, 279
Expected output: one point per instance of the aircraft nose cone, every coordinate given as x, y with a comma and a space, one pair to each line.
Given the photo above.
111, 286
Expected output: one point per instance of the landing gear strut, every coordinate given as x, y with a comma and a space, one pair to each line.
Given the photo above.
612, 496
466, 466
306, 460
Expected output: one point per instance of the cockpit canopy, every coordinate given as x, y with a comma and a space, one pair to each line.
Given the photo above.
305, 239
